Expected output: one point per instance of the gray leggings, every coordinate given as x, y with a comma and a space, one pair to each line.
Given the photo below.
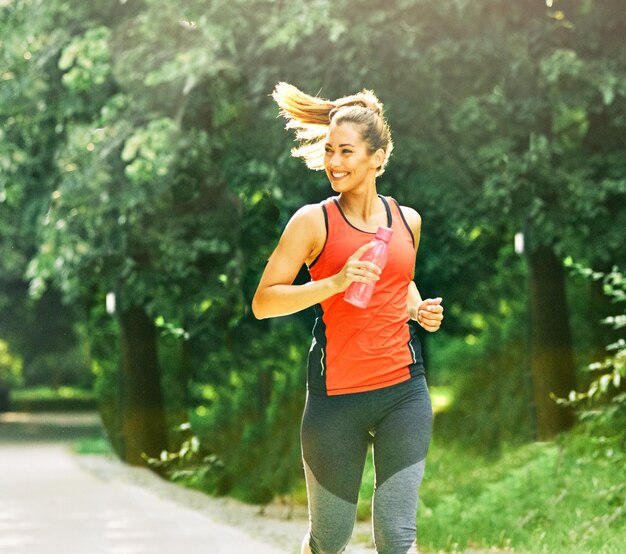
335, 434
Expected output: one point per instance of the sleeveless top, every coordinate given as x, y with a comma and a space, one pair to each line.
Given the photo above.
362, 349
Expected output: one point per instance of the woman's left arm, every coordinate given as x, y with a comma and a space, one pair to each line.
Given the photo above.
429, 312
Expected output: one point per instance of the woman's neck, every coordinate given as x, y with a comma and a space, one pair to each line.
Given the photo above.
363, 207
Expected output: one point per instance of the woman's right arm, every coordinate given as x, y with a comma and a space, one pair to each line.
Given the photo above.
302, 240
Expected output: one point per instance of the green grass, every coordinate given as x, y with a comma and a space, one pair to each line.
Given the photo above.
92, 445
44, 393
562, 497
53, 399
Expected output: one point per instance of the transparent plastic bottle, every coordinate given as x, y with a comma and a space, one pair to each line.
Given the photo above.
360, 294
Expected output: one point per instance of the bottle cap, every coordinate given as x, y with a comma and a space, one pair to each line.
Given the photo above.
384, 233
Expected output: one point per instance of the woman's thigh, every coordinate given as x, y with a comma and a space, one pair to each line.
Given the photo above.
334, 438
401, 441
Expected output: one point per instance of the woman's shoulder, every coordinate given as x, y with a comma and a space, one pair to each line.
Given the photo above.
308, 226
309, 214
412, 216
307, 221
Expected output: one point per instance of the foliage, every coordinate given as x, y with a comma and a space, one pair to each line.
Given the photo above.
140, 153
487, 370
29, 132
492, 404
57, 369
576, 484
191, 465
605, 395
10, 367
261, 404
262, 407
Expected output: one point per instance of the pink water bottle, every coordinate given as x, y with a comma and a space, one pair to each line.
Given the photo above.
358, 293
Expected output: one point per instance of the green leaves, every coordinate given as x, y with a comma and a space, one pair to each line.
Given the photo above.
140, 152
610, 372
561, 63
148, 151
86, 60
10, 367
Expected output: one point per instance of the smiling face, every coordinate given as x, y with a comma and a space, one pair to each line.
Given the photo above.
347, 160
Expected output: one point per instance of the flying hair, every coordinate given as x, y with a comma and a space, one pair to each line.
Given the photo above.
311, 117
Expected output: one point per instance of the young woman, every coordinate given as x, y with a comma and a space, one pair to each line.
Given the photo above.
366, 380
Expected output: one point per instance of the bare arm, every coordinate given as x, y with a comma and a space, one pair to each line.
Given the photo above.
302, 240
414, 299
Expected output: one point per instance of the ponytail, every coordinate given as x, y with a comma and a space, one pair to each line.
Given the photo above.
301, 108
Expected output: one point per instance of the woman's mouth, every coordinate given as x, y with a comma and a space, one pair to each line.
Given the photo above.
338, 174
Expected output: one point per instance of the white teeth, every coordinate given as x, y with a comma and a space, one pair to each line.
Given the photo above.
339, 175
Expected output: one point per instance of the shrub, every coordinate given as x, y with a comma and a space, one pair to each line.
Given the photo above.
605, 398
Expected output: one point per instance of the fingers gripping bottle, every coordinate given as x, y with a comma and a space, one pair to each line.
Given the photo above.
360, 294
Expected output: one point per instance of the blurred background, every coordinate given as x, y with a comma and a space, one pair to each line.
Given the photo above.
145, 177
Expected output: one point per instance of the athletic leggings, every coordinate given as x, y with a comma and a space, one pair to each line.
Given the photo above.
335, 434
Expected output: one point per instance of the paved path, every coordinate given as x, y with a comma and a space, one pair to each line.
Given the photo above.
49, 504
55, 502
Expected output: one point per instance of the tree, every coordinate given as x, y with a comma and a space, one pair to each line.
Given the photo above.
533, 132
144, 152
41, 332
140, 207
500, 113
506, 137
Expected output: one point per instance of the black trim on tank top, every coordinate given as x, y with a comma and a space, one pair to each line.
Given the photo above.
387, 209
325, 240
406, 223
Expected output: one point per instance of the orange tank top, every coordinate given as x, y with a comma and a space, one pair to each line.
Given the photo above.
355, 349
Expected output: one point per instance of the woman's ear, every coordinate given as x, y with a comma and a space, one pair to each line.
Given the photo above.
378, 158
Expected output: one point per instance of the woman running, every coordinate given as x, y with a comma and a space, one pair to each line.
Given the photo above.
365, 380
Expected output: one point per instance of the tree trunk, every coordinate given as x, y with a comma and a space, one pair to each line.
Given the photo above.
552, 358
185, 368
143, 429
5, 399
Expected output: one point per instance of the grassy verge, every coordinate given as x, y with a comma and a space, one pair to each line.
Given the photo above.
568, 496
50, 399
92, 445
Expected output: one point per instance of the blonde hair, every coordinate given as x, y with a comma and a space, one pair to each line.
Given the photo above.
311, 117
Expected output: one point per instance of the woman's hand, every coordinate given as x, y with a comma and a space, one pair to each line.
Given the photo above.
429, 314
358, 270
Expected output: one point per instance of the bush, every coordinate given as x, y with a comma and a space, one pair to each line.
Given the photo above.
605, 397
246, 427
10, 375
68, 368
491, 387
10, 367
